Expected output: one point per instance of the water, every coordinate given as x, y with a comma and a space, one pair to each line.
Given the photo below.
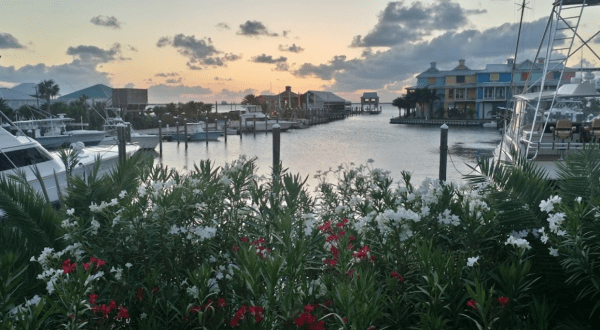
356, 139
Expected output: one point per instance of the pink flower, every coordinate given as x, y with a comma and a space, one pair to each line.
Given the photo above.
68, 267
123, 314
93, 298
397, 276
472, 303
140, 294
244, 239
503, 301
221, 303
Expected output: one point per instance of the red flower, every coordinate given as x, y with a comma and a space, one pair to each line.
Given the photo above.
68, 267
123, 314
326, 227
503, 301
99, 263
93, 298
397, 276
235, 248
319, 325
340, 224
341, 233
331, 238
155, 289
350, 273
86, 265
472, 303
345, 319
362, 253
257, 312
309, 308
195, 309
112, 304
351, 238
305, 318
140, 294
105, 311
244, 239
221, 303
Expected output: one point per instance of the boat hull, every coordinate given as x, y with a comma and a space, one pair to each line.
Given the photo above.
198, 136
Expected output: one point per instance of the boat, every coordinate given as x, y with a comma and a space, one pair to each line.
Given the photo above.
52, 132
547, 125
253, 119
196, 132
23, 154
144, 141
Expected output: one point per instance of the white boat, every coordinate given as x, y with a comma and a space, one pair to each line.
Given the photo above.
252, 119
24, 154
52, 132
144, 141
546, 125
196, 132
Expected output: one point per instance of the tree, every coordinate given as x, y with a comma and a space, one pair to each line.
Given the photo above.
401, 103
251, 99
47, 89
5, 109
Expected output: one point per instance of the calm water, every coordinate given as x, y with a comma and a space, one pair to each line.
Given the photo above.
393, 147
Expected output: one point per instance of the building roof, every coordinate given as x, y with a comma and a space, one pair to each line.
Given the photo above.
327, 96
433, 74
98, 91
468, 72
496, 68
11, 94
370, 95
25, 88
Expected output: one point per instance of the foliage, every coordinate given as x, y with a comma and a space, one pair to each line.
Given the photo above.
219, 248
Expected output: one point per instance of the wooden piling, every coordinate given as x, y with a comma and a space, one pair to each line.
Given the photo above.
177, 123
226, 129
443, 151
121, 138
160, 137
206, 132
185, 136
276, 147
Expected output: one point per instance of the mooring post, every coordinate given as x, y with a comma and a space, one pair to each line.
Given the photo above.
443, 151
254, 126
128, 133
160, 137
226, 129
206, 125
185, 136
177, 135
121, 138
276, 147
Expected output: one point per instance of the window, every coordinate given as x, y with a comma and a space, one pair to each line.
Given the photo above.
21, 158
460, 93
488, 92
460, 79
499, 92
451, 93
494, 76
556, 75
524, 76
431, 81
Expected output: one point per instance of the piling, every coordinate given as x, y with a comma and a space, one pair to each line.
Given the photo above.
443, 151
160, 138
276, 147
206, 132
128, 133
177, 123
121, 137
185, 136
254, 126
226, 129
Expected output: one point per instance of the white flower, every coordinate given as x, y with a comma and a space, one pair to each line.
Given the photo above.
219, 275
128, 265
193, 292
33, 301
518, 242
94, 225
472, 261
143, 316
70, 211
553, 252
548, 205
544, 238
578, 200
2, 213
122, 194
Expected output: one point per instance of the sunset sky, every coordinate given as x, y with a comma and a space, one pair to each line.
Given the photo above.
222, 50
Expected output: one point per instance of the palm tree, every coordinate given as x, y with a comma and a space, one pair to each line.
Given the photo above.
47, 89
250, 99
8, 111
401, 103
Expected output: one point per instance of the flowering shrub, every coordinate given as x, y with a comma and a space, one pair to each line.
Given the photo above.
224, 248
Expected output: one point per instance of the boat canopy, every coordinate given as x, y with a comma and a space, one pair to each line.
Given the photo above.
585, 89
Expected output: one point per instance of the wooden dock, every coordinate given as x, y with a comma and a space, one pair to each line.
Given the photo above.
439, 122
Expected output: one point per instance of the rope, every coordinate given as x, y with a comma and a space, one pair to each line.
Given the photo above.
453, 165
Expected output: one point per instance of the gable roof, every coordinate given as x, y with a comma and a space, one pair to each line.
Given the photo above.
327, 96
11, 94
98, 91
25, 88
371, 95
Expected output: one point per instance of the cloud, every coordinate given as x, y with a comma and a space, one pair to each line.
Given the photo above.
264, 58
167, 74
132, 48
174, 93
400, 23
282, 66
222, 79
200, 52
383, 69
8, 41
95, 54
226, 93
106, 21
129, 85
223, 26
285, 33
255, 29
293, 48
174, 81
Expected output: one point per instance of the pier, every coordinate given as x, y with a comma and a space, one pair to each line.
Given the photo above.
439, 122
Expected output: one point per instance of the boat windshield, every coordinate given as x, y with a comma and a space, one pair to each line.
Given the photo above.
22, 158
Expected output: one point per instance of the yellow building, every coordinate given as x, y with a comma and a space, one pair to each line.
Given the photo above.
461, 88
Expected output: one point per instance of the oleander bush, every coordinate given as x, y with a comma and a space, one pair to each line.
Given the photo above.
223, 248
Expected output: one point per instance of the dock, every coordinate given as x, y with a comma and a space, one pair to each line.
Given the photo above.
439, 122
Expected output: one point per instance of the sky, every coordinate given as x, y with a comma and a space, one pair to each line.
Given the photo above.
213, 51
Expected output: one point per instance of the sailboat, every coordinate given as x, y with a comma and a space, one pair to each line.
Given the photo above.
546, 125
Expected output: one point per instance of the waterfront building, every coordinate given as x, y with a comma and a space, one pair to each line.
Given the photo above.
15, 99
93, 94
322, 100
371, 100
482, 92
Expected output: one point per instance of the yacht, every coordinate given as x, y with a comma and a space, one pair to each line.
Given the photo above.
52, 132
253, 119
548, 125
144, 141
196, 132
24, 154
